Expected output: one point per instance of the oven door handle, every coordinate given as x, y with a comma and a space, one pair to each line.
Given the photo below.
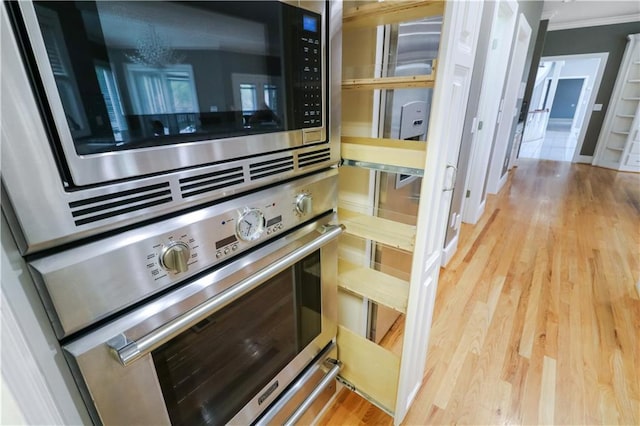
135, 350
333, 367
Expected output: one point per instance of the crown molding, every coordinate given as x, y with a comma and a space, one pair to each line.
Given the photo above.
612, 20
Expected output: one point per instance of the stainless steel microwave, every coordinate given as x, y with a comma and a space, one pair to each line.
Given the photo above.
122, 111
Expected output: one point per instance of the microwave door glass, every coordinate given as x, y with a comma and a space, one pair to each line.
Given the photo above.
136, 74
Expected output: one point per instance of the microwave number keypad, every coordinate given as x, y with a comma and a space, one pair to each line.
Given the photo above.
311, 80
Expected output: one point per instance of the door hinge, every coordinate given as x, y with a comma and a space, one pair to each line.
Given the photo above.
468, 194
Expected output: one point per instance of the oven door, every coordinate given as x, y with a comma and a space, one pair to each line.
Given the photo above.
136, 88
222, 348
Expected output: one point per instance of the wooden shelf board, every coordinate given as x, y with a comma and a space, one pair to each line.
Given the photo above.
385, 231
386, 83
394, 152
375, 285
389, 12
373, 370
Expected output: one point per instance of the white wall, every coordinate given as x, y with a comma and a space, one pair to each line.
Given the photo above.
580, 68
37, 387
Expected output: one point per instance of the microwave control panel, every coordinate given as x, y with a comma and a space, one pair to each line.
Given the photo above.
311, 70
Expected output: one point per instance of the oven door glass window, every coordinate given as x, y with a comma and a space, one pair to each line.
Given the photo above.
211, 371
147, 73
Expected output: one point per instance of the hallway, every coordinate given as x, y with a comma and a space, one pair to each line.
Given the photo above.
537, 314
558, 143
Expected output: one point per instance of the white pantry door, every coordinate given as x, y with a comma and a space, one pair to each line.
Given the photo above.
453, 80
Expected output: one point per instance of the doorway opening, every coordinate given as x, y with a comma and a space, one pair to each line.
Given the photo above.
561, 105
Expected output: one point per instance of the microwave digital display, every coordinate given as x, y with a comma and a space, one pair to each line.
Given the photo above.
310, 23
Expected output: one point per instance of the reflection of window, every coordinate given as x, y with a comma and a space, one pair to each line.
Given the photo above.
254, 92
162, 91
62, 72
271, 96
111, 100
248, 98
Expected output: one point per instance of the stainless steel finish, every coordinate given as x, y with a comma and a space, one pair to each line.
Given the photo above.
383, 167
453, 178
96, 280
301, 382
34, 190
115, 391
304, 204
136, 350
102, 289
174, 258
413, 120
250, 225
326, 381
98, 168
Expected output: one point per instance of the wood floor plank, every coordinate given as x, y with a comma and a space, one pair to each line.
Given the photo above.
546, 408
537, 316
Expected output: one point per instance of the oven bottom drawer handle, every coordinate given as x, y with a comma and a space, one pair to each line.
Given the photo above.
156, 338
329, 377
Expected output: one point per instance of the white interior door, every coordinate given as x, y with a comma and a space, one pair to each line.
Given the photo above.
455, 66
495, 71
498, 166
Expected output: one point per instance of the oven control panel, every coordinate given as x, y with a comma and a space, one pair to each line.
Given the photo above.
156, 256
240, 225
175, 255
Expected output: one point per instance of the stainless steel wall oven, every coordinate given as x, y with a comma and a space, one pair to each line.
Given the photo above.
129, 110
168, 174
221, 315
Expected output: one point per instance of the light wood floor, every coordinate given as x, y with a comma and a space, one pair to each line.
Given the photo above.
537, 318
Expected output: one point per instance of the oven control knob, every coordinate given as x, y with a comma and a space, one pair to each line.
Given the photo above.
174, 257
304, 204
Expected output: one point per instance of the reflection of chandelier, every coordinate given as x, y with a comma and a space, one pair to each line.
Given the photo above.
154, 51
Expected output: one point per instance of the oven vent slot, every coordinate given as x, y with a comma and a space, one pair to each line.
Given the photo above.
208, 182
314, 157
111, 205
271, 167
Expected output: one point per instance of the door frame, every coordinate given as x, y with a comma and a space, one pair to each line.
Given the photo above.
579, 112
496, 65
508, 111
603, 57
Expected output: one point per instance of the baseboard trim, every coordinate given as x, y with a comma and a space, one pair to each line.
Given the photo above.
584, 159
449, 251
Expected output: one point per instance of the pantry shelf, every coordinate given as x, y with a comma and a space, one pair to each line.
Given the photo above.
388, 83
384, 153
390, 12
385, 231
373, 368
375, 285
